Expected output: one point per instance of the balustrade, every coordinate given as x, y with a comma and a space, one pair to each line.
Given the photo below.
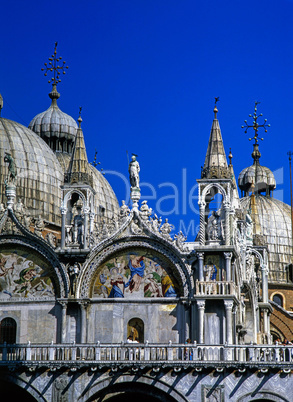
105, 353
209, 288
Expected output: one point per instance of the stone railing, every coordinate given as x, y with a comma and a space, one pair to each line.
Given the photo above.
211, 288
142, 354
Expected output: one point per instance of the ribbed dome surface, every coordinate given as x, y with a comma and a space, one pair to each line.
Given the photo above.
54, 123
39, 174
273, 222
258, 175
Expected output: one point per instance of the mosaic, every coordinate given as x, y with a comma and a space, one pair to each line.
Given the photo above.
136, 274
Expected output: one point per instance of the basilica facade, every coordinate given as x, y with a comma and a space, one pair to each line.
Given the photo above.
100, 300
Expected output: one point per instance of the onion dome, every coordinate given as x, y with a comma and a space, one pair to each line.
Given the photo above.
55, 127
39, 174
261, 177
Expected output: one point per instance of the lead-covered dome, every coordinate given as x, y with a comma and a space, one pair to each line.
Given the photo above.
39, 174
272, 227
57, 128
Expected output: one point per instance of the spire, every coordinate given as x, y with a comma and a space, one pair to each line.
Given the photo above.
215, 165
78, 171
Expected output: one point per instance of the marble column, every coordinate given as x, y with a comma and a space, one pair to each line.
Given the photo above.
227, 223
200, 307
202, 225
63, 223
228, 257
63, 321
229, 327
83, 324
200, 257
264, 278
86, 225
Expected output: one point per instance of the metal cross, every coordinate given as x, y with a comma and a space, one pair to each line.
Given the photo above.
54, 67
255, 125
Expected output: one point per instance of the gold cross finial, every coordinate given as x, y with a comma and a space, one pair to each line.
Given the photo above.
255, 125
53, 66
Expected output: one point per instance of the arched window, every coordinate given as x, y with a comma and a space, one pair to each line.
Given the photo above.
278, 299
8, 330
135, 330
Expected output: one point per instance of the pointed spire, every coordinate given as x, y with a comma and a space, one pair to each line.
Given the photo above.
215, 165
79, 171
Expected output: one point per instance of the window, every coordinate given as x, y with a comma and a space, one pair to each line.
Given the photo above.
8, 330
278, 299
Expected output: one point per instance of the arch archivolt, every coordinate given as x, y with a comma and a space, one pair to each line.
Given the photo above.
179, 269
69, 195
220, 189
133, 382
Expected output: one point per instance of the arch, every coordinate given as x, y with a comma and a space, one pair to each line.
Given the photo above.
69, 195
220, 189
15, 388
30, 260
8, 329
268, 396
144, 385
135, 329
279, 298
178, 268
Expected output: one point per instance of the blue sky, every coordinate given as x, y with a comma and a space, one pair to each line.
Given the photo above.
146, 74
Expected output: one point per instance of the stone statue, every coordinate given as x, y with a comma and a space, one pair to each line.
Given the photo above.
166, 229
73, 272
2, 209
12, 171
145, 211
39, 226
51, 239
156, 223
19, 210
27, 219
179, 240
123, 212
213, 228
134, 170
78, 225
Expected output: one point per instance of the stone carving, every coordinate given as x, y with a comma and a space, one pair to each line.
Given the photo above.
179, 240
134, 170
213, 226
145, 211
73, 272
19, 210
27, 220
249, 259
78, 224
166, 229
51, 239
135, 227
155, 223
2, 210
59, 390
123, 212
12, 171
39, 226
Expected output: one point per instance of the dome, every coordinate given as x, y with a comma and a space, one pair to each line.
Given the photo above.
272, 223
261, 176
39, 174
57, 128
